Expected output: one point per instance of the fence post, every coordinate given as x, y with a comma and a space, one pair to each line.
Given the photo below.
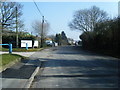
26, 46
10, 48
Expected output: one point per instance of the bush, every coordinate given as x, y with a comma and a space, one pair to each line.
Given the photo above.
104, 37
7, 39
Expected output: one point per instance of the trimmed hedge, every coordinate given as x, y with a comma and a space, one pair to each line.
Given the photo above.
7, 39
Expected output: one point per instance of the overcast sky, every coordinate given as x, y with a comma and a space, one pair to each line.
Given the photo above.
59, 14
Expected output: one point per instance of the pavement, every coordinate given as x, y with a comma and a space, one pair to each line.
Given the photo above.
21, 74
72, 67
26, 54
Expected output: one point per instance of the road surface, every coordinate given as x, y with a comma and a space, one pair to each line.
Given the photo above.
72, 67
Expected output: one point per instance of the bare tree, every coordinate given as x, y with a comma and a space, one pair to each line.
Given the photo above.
52, 37
37, 27
8, 13
41, 29
86, 19
10, 17
21, 26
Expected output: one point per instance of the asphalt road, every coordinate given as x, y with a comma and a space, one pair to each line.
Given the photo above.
72, 67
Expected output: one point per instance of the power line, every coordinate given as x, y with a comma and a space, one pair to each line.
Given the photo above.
42, 38
38, 9
42, 14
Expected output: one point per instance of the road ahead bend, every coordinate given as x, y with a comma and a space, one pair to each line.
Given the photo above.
72, 67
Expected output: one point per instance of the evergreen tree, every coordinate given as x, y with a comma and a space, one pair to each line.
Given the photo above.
58, 39
64, 38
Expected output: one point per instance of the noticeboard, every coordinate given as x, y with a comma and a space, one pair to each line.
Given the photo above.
23, 43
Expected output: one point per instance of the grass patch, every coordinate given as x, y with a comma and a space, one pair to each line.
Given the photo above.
22, 49
7, 58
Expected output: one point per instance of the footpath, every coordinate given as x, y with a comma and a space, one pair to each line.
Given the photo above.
21, 74
26, 54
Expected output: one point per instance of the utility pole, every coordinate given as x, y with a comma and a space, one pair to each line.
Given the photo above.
42, 32
16, 27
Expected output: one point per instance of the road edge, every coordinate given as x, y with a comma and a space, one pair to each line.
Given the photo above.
30, 80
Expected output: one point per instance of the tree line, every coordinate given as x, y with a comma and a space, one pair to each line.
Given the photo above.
99, 32
61, 39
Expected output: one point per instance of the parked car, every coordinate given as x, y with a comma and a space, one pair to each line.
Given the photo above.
49, 42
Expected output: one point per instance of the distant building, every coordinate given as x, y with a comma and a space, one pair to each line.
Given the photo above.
48, 39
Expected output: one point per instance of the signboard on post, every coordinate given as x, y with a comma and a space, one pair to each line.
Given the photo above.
23, 43
35, 43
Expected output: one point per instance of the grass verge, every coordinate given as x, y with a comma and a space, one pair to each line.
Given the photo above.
7, 58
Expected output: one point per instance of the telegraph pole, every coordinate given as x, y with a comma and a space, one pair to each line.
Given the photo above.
16, 27
42, 32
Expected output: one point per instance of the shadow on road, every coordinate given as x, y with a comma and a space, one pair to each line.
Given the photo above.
94, 73
95, 63
83, 68
72, 50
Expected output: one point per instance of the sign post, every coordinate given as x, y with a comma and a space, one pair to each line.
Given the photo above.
10, 48
26, 46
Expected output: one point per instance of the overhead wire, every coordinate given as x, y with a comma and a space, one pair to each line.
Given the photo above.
41, 14
38, 8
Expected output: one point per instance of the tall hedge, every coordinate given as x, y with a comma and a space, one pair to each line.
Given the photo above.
106, 36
